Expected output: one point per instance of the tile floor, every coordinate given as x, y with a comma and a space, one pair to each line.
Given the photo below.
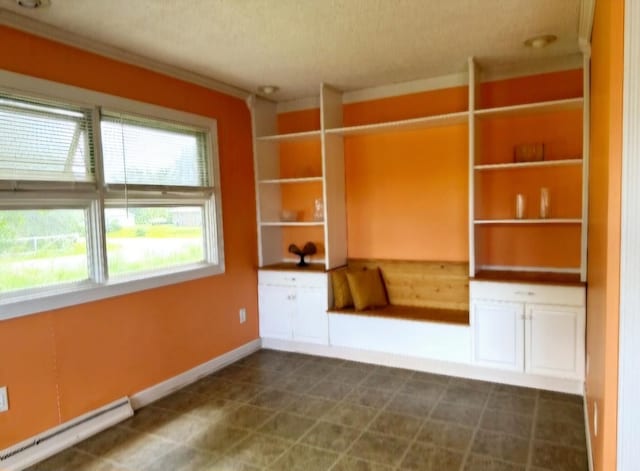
284, 411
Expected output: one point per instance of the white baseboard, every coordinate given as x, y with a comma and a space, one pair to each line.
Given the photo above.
52, 441
461, 370
587, 428
160, 390
56, 439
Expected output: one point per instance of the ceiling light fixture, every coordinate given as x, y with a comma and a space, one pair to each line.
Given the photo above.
538, 42
33, 4
268, 89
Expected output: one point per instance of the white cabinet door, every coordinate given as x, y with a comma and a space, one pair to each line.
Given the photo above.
498, 334
555, 340
277, 307
311, 322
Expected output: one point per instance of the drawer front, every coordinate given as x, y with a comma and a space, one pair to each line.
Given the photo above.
528, 293
291, 278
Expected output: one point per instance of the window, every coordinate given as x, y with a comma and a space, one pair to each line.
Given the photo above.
100, 200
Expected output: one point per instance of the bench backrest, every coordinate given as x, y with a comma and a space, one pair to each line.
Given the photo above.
442, 285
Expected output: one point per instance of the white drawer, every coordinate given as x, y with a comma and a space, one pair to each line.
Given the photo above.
528, 293
292, 278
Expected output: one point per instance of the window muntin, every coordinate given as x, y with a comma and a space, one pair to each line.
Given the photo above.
42, 141
42, 247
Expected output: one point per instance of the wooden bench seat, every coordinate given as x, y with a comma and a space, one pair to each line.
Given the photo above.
431, 291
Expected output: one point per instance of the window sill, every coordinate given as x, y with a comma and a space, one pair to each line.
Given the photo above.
60, 297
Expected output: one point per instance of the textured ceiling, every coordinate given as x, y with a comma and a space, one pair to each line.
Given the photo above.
296, 44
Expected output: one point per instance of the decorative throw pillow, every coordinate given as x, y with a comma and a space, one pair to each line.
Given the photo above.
367, 289
341, 292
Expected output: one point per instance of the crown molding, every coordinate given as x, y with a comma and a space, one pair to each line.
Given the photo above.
28, 25
585, 24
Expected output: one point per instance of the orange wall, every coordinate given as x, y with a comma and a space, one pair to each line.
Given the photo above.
603, 295
407, 194
60, 364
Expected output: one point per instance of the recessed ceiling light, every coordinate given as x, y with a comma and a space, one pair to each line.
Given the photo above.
32, 4
268, 89
538, 42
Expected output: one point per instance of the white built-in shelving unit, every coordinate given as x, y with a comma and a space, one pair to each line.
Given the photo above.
270, 183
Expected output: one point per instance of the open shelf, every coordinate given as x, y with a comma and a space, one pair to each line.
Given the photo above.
291, 223
530, 108
294, 136
516, 165
503, 274
403, 125
530, 221
291, 180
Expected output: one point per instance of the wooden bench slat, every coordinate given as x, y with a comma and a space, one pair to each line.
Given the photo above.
433, 284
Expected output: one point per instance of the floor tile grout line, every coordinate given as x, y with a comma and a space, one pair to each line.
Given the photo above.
365, 428
424, 421
292, 443
532, 438
316, 420
341, 401
485, 407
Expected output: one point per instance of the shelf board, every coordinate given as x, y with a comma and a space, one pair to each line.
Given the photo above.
529, 108
314, 266
291, 180
529, 221
403, 125
291, 223
519, 276
543, 163
294, 136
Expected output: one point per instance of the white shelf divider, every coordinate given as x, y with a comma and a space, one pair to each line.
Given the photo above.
291, 180
403, 125
540, 107
529, 221
294, 136
515, 165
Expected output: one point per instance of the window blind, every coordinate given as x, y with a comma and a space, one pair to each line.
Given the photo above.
138, 151
44, 141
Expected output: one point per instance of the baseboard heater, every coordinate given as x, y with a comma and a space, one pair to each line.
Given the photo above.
41, 447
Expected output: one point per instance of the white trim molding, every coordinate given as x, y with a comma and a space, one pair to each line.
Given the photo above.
37, 28
160, 390
52, 441
428, 365
629, 348
585, 24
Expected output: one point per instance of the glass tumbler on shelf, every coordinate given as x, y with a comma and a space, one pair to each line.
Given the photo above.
544, 203
520, 203
318, 209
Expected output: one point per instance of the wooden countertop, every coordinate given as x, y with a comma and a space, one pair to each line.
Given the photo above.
292, 266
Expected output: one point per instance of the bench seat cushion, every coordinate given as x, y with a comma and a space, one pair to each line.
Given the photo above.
429, 314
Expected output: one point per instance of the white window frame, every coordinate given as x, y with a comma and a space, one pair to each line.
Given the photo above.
98, 287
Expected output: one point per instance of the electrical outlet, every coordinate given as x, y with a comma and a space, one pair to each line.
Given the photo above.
4, 399
243, 315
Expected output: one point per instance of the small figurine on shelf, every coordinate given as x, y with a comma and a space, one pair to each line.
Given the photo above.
308, 249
